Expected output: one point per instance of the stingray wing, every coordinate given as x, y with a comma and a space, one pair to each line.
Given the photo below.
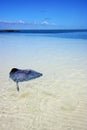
31, 74
24, 75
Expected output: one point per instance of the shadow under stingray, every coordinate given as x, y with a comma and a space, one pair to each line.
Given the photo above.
18, 75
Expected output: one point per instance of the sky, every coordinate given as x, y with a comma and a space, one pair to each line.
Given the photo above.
43, 14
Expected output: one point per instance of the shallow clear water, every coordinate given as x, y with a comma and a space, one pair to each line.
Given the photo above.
59, 98
25, 49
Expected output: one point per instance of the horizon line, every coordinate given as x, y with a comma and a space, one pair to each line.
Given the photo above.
41, 30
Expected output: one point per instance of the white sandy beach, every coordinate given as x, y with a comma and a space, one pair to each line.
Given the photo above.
56, 101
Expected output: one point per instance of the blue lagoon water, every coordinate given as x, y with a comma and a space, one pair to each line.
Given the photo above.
33, 49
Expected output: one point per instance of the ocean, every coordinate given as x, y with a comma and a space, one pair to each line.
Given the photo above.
77, 34
57, 100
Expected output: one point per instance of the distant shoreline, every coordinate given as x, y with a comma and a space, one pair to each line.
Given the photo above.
42, 30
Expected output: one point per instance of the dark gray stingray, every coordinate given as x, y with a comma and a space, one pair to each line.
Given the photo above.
18, 75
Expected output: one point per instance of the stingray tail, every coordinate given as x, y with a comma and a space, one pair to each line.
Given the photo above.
17, 86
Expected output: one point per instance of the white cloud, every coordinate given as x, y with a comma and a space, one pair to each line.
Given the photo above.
21, 22
45, 23
5, 21
12, 22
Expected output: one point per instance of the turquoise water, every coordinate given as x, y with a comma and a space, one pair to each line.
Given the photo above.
75, 34
21, 49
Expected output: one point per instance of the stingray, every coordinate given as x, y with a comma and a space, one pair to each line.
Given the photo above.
18, 75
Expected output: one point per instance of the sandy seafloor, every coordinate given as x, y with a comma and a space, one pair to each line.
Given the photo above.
56, 101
